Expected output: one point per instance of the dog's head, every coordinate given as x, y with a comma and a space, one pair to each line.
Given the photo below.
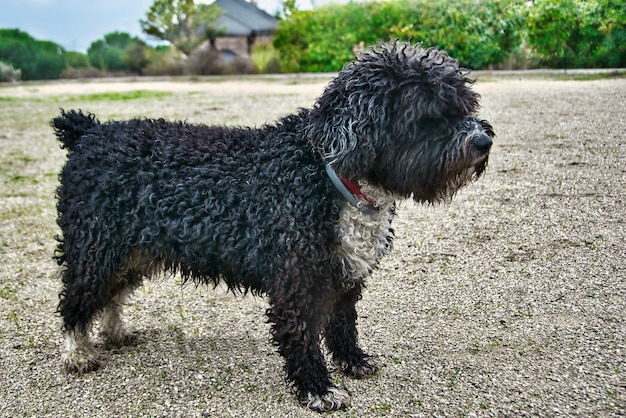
403, 118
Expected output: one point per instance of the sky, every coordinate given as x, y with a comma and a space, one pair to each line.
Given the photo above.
75, 24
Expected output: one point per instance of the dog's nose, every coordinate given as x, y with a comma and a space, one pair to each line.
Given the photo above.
483, 143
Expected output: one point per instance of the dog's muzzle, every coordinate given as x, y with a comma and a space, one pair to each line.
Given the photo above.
483, 143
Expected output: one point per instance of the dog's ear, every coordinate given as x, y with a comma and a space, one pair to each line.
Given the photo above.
343, 128
442, 88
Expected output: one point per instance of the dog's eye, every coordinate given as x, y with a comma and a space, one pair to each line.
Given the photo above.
427, 123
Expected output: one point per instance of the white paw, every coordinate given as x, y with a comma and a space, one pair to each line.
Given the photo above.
80, 361
333, 399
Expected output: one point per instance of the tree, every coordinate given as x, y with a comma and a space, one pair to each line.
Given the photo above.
118, 51
76, 60
182, 23
37, 60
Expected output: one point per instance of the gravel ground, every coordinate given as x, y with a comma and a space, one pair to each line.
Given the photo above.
510, 301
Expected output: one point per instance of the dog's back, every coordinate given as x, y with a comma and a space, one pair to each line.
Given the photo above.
208, 202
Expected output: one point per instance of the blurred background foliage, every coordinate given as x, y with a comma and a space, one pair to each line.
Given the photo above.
481, 34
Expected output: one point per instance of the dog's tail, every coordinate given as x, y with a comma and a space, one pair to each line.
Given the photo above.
71, 126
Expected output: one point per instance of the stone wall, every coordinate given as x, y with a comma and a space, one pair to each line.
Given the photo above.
240, 45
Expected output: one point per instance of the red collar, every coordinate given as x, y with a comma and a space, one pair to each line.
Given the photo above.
351, 191
354, 188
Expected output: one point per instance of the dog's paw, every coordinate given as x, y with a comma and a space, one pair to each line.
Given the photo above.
365, 367
333, 399
80, 361
119, 339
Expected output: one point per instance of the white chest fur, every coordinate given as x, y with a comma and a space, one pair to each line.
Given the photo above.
364, 239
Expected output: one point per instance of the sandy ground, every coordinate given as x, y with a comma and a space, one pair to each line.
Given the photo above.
510, 301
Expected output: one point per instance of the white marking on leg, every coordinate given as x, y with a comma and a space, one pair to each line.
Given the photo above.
79, 355
112, 329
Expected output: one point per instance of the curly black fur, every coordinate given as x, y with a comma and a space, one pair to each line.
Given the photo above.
402, 95
255, 209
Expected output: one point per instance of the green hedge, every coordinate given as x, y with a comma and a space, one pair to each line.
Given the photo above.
479, 33
578, 33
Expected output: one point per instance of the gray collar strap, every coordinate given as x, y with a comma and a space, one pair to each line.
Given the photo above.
351, 192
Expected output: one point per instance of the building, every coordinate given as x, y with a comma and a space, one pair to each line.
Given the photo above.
242, 25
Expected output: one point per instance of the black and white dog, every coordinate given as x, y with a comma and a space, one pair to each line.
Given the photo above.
299, 210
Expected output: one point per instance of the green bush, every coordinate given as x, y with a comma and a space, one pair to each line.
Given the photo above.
578, 33
265, 58
204, 61
8, 73
76, 60
477, 32
118, 51
37, 60
164, 60
72, 73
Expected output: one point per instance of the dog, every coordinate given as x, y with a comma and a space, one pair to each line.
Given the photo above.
299, 210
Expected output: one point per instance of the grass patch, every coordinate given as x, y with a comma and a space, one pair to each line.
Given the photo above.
17, 211
567, 76
18, 178
18, 155
122, 96
551, 75
8, 293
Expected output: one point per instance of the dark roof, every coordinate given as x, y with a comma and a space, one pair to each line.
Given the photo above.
241, 18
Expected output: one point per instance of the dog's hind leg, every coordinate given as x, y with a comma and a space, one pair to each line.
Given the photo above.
341, 337
94, 282
79, 355
77, 307
298, 316
112, 329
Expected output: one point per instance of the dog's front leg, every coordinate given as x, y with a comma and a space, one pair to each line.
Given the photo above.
297, 318
79, 355
341, 337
